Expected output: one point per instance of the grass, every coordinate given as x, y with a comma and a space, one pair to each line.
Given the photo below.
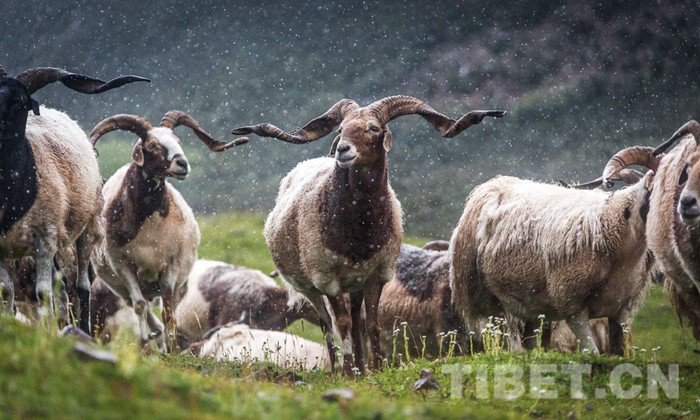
41, 375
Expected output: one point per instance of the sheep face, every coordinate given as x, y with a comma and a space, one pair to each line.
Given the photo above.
15, 103
636, 208
364, 140
161, 155
688, 206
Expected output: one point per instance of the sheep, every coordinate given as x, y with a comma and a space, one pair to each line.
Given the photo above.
217, 293
528, 248
239, 342
419, 294
674, 213
49, 182
151, 234
336, 226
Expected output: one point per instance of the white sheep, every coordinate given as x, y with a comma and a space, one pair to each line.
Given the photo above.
336, 226
151, 233
420, 296
238, 342
527, 248
50, 183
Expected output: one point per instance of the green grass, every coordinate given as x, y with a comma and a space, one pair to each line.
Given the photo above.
40, 375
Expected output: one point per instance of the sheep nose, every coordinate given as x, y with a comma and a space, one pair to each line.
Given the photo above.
181, 162
688, 201
342, 148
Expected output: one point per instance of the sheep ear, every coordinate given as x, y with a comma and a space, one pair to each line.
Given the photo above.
684, 175
35, 107
137, 154
388, 140
649, 180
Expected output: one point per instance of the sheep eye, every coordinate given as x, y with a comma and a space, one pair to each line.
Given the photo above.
150, 147
374, 128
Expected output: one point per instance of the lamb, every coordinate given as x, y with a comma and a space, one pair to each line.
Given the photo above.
217, 293
674, 215
151, 233
527, 248
49, 181
336, 226
239, 342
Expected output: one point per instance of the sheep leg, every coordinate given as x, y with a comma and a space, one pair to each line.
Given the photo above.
325, 322
616, 334
582, 329
138, 302
7, 293
373, 291
344, 323
530, 335
59, 281
44, 276
357, 329
168, 294
82, 253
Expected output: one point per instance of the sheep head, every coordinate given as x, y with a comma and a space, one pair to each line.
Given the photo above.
688, 205
158, 151
363, 134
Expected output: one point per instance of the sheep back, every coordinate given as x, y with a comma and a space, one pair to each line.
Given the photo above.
419, 295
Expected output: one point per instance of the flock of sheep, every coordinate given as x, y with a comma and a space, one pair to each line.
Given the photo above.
580, 257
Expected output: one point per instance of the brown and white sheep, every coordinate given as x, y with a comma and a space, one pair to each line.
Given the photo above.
50, 183
674, 215
151, 233
336, 226
419, 294
527, 248
217, 293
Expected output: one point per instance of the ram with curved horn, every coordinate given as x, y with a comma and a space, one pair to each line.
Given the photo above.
336, 227
674, 218
49, 181
151, 233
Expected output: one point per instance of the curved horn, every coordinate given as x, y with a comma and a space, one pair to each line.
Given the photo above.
35, 79
636, 155
134, 123
3, 73
175, 118
313, 130
691, 127
395, 106
628, 176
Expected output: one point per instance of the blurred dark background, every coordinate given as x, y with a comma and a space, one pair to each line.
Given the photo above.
579, 82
